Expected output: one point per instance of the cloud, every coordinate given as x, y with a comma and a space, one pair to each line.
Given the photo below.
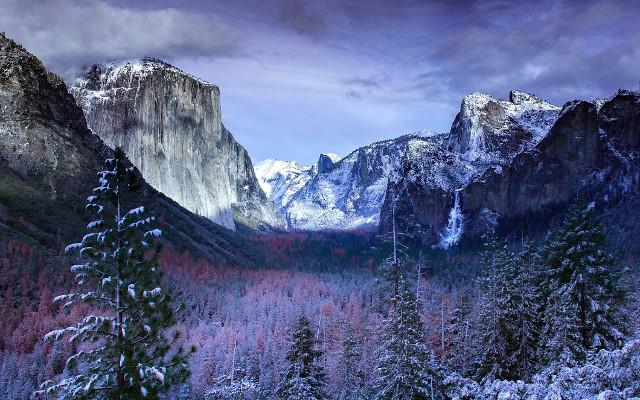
298, 16
357, 88
561, 50
67, 34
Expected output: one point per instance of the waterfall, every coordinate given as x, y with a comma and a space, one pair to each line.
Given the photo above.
453, 231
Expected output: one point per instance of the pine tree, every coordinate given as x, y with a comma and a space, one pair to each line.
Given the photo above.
125, 352
524, 314
237, 386
352, 385
459, 333
584, 296
304, 376
493, 323
407, 368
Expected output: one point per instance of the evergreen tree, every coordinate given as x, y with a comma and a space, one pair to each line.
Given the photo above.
493, 323
125, 352
238, 386
585, 296
304, 376
352, 385
459, 333
406, 366
524, 314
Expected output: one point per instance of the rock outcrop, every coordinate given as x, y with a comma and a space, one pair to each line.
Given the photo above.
350, 193
591, 150
48, 164
169, 124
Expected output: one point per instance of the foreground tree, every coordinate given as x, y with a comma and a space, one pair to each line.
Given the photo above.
406, 366
236, 386
458, 333
352, 385
304, 376
509, 322
525, 313
583, 311
125, 352
493, 328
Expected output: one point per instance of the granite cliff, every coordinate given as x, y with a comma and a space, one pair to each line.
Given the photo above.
48, 164
169, 125
590, 151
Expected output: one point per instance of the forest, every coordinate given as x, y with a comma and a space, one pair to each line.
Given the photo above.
520, 319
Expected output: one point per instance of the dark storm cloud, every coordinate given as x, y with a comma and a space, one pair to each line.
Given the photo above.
67, 34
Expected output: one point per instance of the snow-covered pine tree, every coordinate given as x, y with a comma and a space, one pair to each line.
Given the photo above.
304, 377
352, 379
524, 310
459, 334
493, 335
125, 351
583, 311
237, 386
407, 368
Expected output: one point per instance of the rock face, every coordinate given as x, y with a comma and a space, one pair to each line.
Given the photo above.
350, 193
43, 134
169, 124
590, 150
48, 164
280, 180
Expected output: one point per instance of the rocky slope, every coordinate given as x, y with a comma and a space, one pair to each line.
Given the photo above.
280, 180
48, 164
591, 150
169, 124
349, 194
487, 132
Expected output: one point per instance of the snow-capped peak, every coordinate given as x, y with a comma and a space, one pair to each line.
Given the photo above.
485, 124
280, 179
110, 73
333, 156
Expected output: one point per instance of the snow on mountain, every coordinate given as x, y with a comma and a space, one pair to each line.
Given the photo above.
169, 124
280, 180
494, 130
349, 193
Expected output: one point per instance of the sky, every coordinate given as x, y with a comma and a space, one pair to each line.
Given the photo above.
301, 77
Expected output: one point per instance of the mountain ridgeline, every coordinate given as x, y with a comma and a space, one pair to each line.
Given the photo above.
504, 165
589, 152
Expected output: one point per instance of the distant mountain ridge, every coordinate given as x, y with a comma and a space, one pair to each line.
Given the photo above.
487, 132
504, 165
591, 150
169, 124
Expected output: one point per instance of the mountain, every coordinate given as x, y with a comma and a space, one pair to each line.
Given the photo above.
169, 124
280, 180
591, 150
48, 164
487, 132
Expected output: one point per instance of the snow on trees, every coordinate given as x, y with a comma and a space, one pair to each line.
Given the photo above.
406, 366
124, 350
584, 295
352, 379
304, 376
